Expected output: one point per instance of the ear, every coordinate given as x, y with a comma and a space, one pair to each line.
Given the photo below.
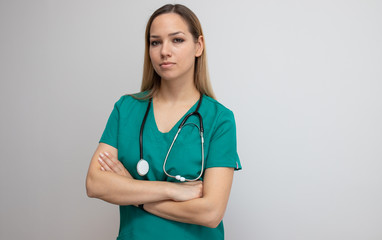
199, 46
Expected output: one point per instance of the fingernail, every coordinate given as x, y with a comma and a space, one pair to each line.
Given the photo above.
101, 155
99, 159
106, 153
103, 169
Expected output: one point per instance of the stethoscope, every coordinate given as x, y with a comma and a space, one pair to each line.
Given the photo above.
143, 166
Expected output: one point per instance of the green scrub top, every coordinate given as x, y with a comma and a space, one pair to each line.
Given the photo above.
122, 132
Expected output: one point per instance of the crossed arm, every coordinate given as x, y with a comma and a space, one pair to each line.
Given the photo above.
201, 203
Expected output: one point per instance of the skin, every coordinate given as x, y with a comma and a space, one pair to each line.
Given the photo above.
171, 42
114, 184
172, 52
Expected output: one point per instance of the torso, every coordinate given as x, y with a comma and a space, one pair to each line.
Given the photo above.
168, 114
123, 131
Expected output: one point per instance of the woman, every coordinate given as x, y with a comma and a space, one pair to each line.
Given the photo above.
181, 189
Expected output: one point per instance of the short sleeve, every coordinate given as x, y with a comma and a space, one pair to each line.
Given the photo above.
110, 134
222, 150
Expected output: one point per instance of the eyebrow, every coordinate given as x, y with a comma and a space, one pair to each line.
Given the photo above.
170, 34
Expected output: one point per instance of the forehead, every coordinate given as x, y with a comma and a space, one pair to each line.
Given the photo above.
168, 23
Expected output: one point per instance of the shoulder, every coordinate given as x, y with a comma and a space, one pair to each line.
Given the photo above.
217, 118
219, 123
131, 99
215, 107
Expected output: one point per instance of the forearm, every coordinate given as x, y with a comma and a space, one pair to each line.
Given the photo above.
109, 180
122, 190
206, 211
197, 211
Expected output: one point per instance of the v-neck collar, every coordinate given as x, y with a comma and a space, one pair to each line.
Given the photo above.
175, 127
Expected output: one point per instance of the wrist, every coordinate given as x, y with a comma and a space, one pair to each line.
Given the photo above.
170, 190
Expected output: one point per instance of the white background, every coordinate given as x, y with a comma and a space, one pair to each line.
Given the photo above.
302, 77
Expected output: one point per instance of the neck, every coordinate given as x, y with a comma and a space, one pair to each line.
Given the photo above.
175, 91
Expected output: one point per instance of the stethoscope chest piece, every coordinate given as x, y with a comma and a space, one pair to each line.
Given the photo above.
142, 167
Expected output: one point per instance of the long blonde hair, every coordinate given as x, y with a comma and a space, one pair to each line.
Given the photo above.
150, 79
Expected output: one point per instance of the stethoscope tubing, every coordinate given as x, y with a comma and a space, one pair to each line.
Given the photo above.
141, 131
179, 177
182, 124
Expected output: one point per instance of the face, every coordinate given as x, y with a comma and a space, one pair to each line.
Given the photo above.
173, 48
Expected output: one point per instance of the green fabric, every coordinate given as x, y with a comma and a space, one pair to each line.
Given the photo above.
122, 132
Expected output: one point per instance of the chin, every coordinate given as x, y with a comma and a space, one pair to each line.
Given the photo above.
168, 77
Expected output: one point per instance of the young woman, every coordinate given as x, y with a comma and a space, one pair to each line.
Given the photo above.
168, 154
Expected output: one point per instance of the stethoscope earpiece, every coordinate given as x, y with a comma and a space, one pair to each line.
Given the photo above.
180, 178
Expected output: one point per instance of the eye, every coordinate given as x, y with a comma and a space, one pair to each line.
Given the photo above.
178, 40
154, 43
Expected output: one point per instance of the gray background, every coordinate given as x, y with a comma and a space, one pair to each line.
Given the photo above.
302, 77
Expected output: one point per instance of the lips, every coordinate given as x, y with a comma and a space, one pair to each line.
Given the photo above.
166, 64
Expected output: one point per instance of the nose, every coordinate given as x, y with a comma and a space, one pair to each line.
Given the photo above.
165, 50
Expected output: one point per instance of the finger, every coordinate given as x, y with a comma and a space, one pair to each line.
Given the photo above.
107, 160
109, 154
104, 165
115, 165
113, 159
112, 164
118, 166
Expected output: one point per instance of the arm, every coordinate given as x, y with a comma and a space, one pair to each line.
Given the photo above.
207, 210
120, 188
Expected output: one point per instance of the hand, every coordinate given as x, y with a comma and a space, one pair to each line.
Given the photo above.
110, 163
187, 191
